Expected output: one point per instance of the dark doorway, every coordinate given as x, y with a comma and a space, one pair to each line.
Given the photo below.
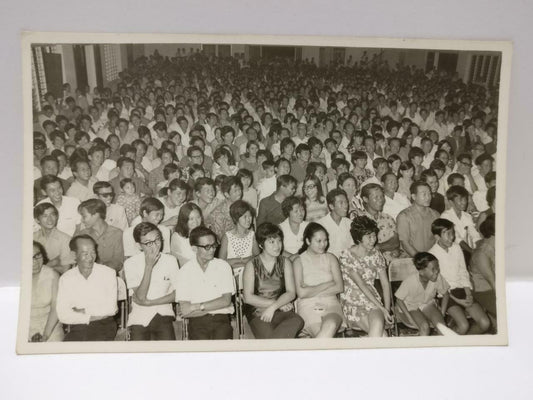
129, 53
255, 52
224, 50
448, 62
430, 61
80, 64
53, 71
279, 51
209, 49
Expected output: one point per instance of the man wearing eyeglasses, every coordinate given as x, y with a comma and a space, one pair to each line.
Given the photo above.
151, 277
115, 213
205, 287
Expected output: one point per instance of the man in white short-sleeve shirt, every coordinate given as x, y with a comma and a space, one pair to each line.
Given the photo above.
336, 223
204, 289
152, 210
87, 295
151, 277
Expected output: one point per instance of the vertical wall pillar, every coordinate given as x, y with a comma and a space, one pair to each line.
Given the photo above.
91, 66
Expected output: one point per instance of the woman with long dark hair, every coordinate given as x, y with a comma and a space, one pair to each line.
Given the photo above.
318, 281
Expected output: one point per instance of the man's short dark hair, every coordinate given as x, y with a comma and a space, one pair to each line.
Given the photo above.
94, 206
203, 181
49, 158
413, 189
365, 190
143, 229
422, 260
150, 204
47, 180
288, 204
453, 176
101, 185
285, 180
456, 191
440, 225
73, 244
200, 232
332, 195
122, 160
40, 209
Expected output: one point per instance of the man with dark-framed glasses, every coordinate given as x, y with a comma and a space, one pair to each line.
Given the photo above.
151, 277
205, 287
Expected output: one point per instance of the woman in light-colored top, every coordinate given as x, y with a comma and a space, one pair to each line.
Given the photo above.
190, 217
44, 324
315, 203
482, 267
249, 194
318, 281
238, 245
249, 159
293, 226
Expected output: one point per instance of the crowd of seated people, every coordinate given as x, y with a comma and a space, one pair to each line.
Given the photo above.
199, 182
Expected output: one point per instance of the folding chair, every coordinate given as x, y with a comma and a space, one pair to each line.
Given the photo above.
123, 305
239, 301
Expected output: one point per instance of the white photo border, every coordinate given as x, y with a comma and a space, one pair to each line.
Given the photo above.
31, 38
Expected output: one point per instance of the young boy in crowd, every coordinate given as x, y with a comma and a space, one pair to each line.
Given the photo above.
466, 234
453, 269
416, 295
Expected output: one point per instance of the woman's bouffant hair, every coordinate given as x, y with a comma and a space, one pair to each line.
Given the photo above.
361, 226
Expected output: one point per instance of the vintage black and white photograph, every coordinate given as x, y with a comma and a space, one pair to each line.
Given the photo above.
194, 193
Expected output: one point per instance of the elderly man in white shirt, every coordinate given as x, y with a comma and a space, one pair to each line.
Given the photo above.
151, 277
336, 223
87, 295
204, 289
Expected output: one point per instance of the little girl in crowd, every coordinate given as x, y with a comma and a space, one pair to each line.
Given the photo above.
129, 199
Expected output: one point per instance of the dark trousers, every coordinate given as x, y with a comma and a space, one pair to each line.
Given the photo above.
159, 328
210, 327
104, 329
284, 325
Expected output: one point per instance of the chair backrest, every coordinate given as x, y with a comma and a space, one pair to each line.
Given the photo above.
399, 269
238, 275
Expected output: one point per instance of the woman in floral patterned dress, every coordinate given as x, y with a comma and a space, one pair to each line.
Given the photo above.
361, 265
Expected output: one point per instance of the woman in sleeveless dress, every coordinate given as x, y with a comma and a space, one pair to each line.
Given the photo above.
238, 246
269, 289
361, 265
44, 324
318, 281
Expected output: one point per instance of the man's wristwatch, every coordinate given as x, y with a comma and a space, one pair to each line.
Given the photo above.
202, 307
